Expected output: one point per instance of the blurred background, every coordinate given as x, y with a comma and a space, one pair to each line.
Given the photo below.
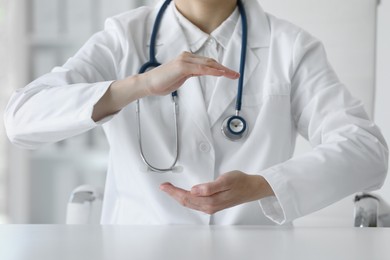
35, 36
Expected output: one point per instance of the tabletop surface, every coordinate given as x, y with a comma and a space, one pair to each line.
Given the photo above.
191, 242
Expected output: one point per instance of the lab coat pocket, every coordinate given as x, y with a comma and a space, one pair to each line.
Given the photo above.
276, 99
269, 90
252, 100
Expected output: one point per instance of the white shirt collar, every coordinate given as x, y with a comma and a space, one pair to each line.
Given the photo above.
196, 38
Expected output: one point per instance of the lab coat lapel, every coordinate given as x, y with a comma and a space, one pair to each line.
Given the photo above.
171, 42
225, 94
258, 37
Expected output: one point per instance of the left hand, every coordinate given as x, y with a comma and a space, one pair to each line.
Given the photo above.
228, 190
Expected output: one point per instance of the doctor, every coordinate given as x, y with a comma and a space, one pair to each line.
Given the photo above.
288, 87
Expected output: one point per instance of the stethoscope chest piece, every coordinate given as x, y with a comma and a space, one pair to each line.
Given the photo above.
234, 128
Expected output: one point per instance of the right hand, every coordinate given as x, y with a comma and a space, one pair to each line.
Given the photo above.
160, 81
168, 77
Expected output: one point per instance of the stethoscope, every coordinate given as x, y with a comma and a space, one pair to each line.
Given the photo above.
234, 127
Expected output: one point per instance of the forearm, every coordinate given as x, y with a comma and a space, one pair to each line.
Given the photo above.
119, 95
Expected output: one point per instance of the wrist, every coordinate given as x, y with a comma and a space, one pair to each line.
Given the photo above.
138, 83
261, 187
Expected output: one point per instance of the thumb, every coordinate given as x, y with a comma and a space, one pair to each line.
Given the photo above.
210, 188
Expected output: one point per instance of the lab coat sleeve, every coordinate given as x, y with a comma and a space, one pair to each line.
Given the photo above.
349, 153
59, 104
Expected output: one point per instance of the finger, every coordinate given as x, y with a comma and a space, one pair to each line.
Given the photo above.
210, 188
175, 192
208, 62
194, 69
207, 204
182, 196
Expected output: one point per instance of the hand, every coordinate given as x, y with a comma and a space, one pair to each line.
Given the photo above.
162, 80
168, 77
228, 190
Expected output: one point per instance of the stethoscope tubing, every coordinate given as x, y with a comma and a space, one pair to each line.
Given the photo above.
244, 40
153, 63
177, 142
156, 26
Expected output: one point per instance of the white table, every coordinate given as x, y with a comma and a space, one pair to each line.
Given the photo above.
57, 242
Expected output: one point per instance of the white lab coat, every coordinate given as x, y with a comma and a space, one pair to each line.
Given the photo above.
289, 88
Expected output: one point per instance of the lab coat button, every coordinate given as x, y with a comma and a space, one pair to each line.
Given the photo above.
204, 147
210, 41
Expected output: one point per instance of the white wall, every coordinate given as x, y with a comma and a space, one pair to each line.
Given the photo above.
38, 35
3, 79
382, 102
16, 75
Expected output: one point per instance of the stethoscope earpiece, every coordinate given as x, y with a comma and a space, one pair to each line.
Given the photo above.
234, 128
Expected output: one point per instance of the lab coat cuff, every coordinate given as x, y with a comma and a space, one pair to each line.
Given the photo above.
277, 208
101, 89
272, 209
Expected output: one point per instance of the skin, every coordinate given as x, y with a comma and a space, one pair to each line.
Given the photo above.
228, 190
231, 188
207, 15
